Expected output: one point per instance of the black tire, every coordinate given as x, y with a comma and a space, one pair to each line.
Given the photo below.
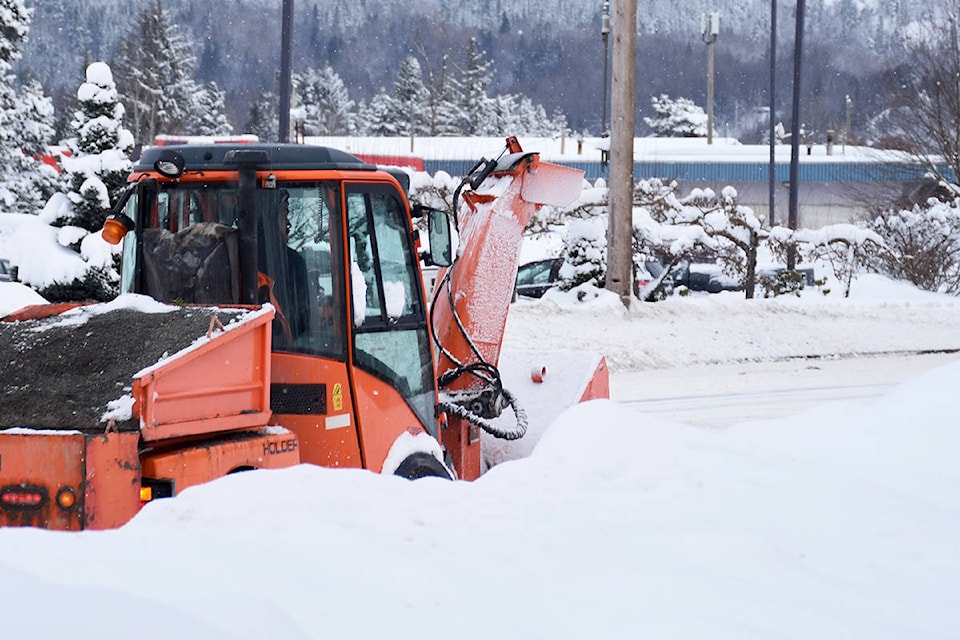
422, 465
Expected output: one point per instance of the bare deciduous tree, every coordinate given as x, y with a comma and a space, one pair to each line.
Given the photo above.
927, 117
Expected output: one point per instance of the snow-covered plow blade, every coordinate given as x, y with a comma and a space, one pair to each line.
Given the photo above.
545, 384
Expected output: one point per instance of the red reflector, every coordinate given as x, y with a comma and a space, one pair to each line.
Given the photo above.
22, 498
26, 499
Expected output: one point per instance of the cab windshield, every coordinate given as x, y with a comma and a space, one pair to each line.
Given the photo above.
185, 250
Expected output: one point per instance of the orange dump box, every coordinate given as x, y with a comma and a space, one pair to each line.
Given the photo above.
107, 406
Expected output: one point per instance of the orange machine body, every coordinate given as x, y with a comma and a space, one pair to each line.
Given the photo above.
93, 476
336, 380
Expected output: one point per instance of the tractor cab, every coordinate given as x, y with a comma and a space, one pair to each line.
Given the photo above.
328, 241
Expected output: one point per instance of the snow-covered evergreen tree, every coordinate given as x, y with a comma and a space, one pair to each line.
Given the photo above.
263, 120
27, 182
97, 169
477, 111
676, 118
453, 105
26, 121
14, 26
382, 116
411, 97
210, 113
155, 73
327, 106
518, 115
94, 176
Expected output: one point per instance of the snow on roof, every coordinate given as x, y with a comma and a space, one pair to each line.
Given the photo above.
558, 149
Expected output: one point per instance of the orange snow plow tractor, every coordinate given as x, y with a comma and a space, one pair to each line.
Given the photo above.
273, 312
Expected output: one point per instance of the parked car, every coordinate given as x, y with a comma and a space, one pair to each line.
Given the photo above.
6, 271
706, 275
535, 278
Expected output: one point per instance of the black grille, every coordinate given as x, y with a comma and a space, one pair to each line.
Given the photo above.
298, 399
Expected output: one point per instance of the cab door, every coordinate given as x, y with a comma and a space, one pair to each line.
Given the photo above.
391, 354
302, 261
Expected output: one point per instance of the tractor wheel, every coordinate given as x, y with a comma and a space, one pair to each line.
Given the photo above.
422, 465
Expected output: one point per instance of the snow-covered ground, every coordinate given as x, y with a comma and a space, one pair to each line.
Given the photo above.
839, 522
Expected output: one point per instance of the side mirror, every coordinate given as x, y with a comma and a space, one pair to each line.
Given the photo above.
441, 243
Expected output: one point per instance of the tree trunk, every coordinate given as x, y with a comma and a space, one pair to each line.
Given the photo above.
750, 283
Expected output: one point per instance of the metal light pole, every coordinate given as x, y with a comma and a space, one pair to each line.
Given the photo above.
605, 33
709, 30
846, 133
793, 214
773, 111
286, 57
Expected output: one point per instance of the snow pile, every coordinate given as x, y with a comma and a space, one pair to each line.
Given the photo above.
838, 523
32, 245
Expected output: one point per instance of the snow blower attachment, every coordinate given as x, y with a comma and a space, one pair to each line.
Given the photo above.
471, 301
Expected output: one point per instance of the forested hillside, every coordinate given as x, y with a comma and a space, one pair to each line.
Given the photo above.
548, 50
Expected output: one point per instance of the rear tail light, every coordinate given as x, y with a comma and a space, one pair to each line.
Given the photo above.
151, 489
23, 497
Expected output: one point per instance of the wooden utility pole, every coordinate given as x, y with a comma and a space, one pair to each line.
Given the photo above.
623, 106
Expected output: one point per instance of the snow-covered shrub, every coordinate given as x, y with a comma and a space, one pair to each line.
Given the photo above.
781, 283
703, 226
98, 283
584, 256
676, 118
924, 245
434, 191
847, 248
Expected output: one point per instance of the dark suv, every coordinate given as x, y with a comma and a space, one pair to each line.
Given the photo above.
6, 271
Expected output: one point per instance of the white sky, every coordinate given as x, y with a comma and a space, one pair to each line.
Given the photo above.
840, 522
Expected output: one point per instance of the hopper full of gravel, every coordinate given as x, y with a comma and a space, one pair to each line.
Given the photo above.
61, 372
